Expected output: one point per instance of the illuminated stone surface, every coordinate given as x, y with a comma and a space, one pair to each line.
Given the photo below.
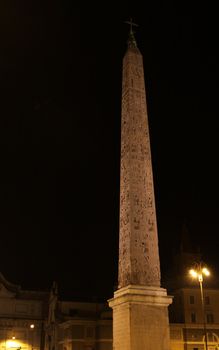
138, 243
140, 306
140, 318
18, 310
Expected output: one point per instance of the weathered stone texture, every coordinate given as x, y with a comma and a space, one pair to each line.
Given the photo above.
121, 327
138, 241
140, 318
140, 314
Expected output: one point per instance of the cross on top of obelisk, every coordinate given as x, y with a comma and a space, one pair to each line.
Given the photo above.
131, 39
131, 24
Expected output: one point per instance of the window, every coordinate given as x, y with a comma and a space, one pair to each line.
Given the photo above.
90, 332
207, 300
210, 318
193, 317
192, 299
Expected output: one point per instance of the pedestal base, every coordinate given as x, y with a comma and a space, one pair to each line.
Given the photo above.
140, 318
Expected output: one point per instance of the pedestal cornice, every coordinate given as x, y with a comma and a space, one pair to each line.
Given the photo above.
135, 294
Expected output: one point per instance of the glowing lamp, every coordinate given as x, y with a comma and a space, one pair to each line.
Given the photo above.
205, 271
193, 273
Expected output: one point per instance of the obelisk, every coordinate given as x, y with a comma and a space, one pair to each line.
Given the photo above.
140, 305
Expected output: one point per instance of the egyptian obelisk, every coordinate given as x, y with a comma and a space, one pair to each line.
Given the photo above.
140, 305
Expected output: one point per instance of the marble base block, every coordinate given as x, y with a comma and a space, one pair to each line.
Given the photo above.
140, 318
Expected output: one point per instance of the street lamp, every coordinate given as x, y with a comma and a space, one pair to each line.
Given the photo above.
32, 326
198, 272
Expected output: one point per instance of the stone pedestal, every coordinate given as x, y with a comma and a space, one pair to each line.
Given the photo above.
140, 318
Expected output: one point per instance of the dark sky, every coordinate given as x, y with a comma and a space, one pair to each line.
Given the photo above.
60, 82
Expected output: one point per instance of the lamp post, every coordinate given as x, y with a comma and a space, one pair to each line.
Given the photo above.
198, 272
32, 326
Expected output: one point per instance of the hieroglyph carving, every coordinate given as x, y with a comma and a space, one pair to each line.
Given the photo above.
138, 242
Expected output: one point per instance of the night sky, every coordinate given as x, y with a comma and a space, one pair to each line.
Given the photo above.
60, 83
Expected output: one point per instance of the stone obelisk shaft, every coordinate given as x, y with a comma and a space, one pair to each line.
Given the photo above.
140, 305
138, 242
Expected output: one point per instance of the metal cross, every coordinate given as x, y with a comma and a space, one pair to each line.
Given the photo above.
131, 24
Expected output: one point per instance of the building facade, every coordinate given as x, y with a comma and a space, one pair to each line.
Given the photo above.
22, 317
73, 325
88, 326
187, 323
78, 325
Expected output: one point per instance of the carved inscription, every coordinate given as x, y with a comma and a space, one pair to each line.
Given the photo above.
138, 242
